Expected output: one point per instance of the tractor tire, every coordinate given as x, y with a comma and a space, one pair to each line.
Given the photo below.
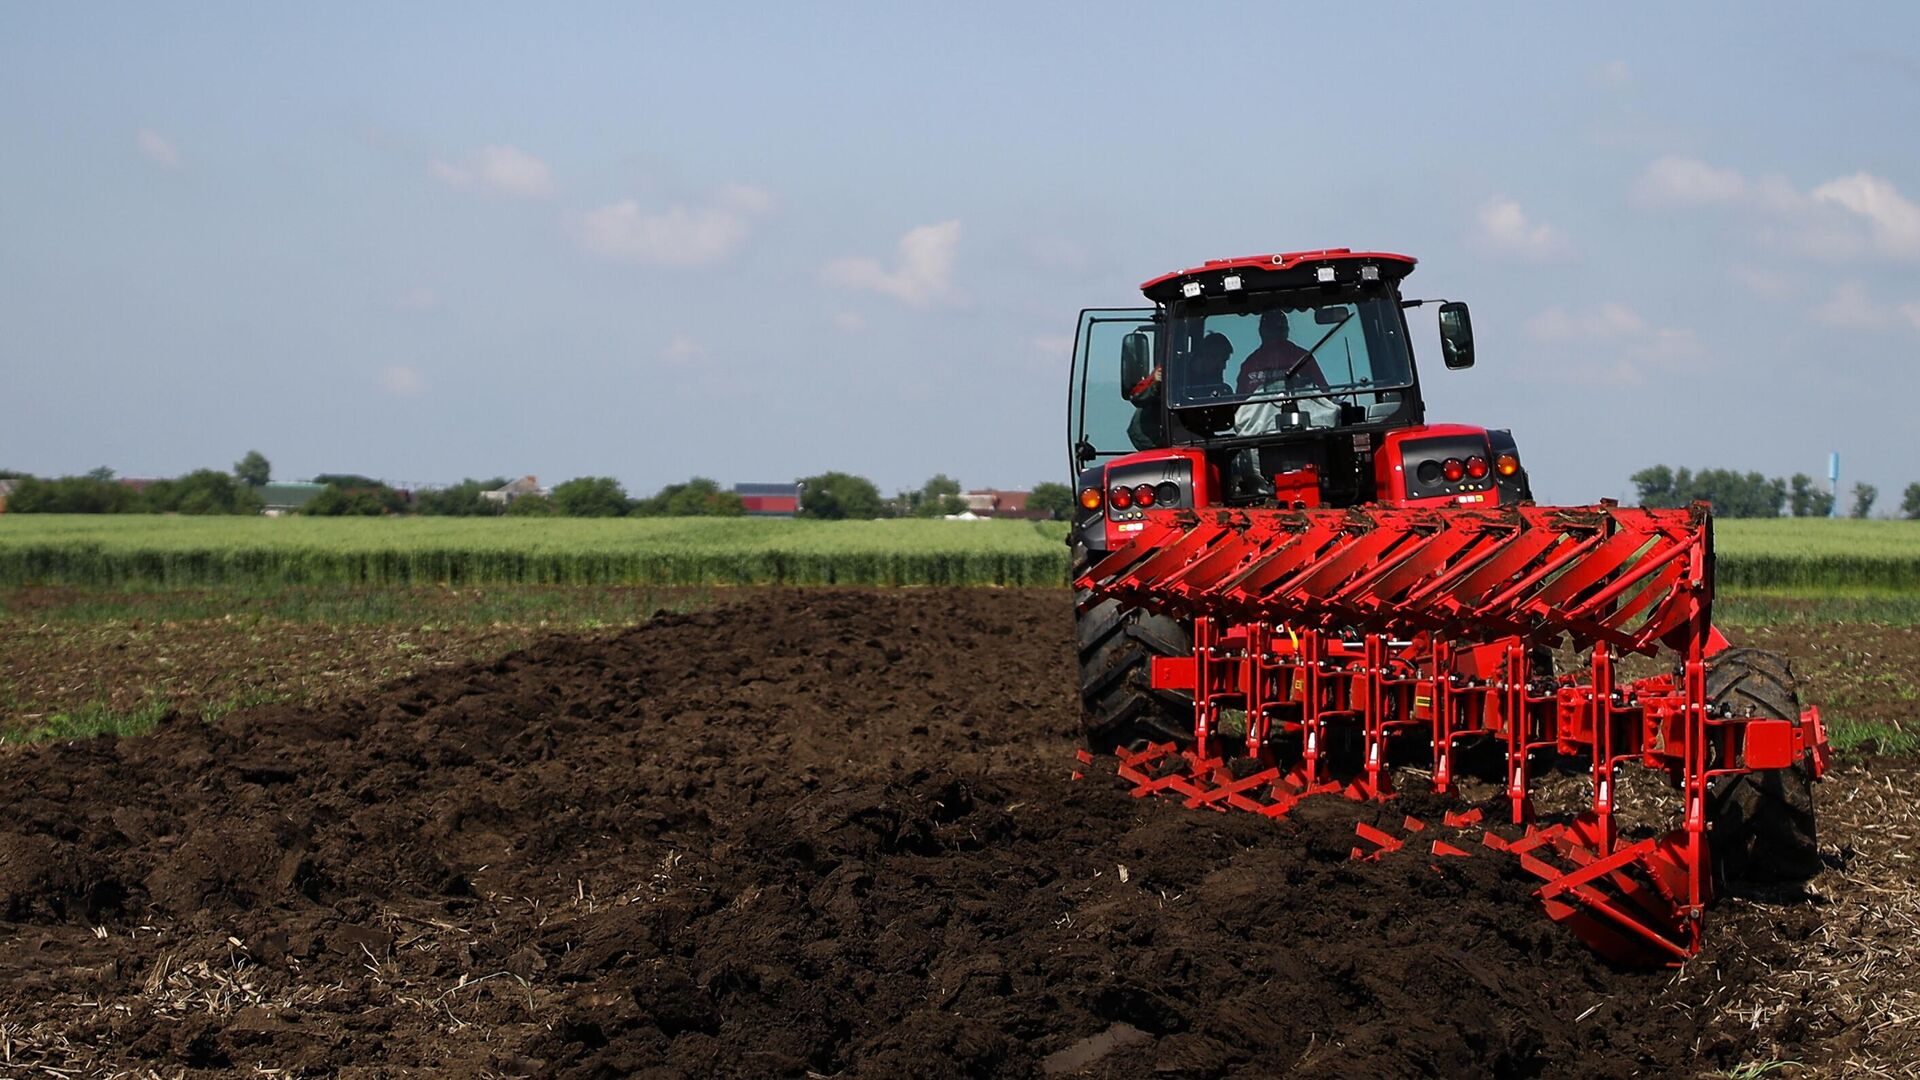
1117, 646
1762, 822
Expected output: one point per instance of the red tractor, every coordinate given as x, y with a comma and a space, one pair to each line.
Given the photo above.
1288, 583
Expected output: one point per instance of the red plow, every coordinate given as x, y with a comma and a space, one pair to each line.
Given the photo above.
1333, 646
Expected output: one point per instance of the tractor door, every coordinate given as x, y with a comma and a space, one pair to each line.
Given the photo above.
1098, 414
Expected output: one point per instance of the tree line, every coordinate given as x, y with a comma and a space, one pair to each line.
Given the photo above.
831, 495
1752, 495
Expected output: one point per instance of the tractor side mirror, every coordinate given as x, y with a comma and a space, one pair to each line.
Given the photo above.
1456, 335
1136, 364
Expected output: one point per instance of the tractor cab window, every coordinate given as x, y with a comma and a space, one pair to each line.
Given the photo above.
1108, 419
1280, 361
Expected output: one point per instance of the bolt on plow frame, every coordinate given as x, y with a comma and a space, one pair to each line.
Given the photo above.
1331, 644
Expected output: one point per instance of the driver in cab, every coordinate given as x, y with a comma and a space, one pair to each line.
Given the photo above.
1278, 365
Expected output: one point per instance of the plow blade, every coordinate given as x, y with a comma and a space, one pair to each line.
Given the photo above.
1336, 643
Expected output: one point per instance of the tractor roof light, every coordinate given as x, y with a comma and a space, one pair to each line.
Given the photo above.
1230, 283
1370, 273
1324, 275
1090, 499
1507, 465
1190, 290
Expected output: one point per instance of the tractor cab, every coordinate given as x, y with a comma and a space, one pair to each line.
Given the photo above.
1284, 374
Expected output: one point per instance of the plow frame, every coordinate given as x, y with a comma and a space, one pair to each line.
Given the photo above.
1401, 626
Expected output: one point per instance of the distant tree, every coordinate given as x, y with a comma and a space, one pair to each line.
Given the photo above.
203, 491
591, 496
1055, 499
1656, 486
12, 474
939, 496
253, 470
531, 506
836, 495
1807, 500
698, 497
464, 499
73, 495
1910, 503
1863, 496
1732, 494
102, 473
353, 495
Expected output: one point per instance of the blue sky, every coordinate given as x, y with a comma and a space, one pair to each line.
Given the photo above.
753, 242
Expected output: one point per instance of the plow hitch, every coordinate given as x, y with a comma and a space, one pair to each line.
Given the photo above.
1332, 648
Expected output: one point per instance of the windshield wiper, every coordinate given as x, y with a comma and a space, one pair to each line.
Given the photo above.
1324, 338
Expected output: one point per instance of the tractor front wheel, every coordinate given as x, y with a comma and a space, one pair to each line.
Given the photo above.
1762, 821
1117, 644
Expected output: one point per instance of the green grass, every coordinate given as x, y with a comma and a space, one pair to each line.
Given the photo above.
1822, 554
1846, 735
1760, 557
146, 550
87, 721
1806, 607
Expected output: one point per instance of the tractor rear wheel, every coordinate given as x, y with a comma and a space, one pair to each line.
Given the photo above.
1762, 821
1117, 645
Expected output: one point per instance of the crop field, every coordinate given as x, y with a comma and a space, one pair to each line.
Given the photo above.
1789, 556
265, 823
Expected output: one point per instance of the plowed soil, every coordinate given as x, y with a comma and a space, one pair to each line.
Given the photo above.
816, 833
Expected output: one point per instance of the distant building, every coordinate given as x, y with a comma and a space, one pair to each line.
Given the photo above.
990, 502
526, 485
769, 500
287, 496
6, 489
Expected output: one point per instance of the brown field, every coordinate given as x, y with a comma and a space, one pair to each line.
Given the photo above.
815, 833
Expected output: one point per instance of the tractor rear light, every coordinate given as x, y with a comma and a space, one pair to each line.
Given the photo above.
1428, 471
1090, 499
1452, 470
1165, 492
1120, 498
1508, 465
1143, 496
1477, 467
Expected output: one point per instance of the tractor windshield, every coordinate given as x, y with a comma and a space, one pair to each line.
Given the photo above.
1279, 361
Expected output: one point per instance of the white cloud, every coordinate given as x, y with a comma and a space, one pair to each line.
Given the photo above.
1505, 228
680, 235
850, 322
157, 149
1892, 221
402, 381
1840, 219
1613, 345
682, 351
1680, 181
1771, 284
1614, 74
1850, 308
1053, 345
1605, 323
1910, 311
502, 170
922, 276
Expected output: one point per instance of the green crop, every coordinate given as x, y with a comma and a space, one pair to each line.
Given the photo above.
1789, 557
